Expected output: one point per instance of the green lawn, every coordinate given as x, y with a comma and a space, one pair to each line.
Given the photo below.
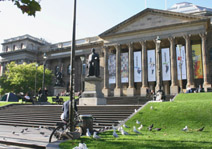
193, 110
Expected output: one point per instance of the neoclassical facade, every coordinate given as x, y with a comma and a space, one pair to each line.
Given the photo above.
154, 49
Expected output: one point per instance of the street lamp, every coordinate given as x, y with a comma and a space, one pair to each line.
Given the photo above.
82, 74
43, 97
180, 64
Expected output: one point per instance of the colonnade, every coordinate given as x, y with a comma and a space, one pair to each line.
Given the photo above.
174, 87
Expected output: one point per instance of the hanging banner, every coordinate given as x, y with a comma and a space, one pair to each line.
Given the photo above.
112, 68
181, 61
197, 61
151, 65
137, 67
166, 64
124, 67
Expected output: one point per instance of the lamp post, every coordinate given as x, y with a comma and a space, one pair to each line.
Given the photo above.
43, 97
158, 41
180, 64
36, 65
71, 103
82, 74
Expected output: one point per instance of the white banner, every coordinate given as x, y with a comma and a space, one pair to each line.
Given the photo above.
181, 59
166, 64
151, 65
112, 68
124, 67
137, 67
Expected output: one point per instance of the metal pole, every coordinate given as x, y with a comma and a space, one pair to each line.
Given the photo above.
43, 83
36, 65
71, 104
181, 80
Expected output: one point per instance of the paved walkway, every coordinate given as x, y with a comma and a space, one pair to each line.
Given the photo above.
38, 137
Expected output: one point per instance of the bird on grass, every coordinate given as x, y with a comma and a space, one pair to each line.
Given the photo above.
135, 130
124, 132
185, 128
158, 129
125, 126
150, 127
95, 136
141, 126
115, 134
201, 129
137, 122
88, 134
151, 107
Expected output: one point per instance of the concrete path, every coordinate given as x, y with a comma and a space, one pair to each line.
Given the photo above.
26, 136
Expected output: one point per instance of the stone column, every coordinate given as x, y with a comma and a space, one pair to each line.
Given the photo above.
189, 62
158, 67
106, 74
144, 69
118, 90
131, 89
206, 72
174, 85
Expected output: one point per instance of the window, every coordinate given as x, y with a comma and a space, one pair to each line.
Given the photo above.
22, 45
6, 49
14, 47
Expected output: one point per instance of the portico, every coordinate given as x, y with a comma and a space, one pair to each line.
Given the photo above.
133, 41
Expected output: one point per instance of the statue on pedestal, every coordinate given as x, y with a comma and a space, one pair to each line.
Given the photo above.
59, 77
93, 64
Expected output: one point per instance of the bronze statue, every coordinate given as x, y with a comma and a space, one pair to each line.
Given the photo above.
93, 64
59, 77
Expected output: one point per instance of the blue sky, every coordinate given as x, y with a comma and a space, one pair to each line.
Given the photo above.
54, 22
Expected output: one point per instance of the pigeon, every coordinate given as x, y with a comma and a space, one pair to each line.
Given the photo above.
135, 110
151, 107
150, 127
95, 136
88, 134
42, 133
124, 132
26, 129
125, 126
185, 129
22, 131
115, 134
171, 100
135, 130
141, 126
13, 132
81, 146
113, 127
158, 129
137, 122
201, 129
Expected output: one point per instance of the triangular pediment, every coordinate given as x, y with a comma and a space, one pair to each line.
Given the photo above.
150, 18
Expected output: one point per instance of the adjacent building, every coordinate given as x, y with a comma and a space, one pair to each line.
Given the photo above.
154, 49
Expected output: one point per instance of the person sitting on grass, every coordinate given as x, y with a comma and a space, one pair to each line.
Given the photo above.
28, 99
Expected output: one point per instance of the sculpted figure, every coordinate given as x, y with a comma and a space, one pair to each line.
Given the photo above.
93, 64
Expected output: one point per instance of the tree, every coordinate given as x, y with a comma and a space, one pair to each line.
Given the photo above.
27, 6
21, 78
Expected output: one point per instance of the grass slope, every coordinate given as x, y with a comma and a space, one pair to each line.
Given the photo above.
193, 110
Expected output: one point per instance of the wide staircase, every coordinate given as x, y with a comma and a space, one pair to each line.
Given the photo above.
49, 115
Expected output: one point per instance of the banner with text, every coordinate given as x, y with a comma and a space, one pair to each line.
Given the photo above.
197, 61
137, 67
151, 65
181, 61
124, 67
112, 68
166, 64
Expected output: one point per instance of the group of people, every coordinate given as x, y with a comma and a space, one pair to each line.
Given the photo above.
195, 90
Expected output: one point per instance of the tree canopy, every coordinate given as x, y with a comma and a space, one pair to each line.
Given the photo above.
27, 6
21, 78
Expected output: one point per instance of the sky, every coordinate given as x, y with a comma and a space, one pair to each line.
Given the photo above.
54, 22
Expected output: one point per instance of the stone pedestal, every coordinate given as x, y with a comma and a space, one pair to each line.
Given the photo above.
106, 92
130, 92
92, 95
207, 87
117, 92
174, 90
143, 91
58, 90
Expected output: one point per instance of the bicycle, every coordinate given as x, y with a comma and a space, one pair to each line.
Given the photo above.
60, 132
